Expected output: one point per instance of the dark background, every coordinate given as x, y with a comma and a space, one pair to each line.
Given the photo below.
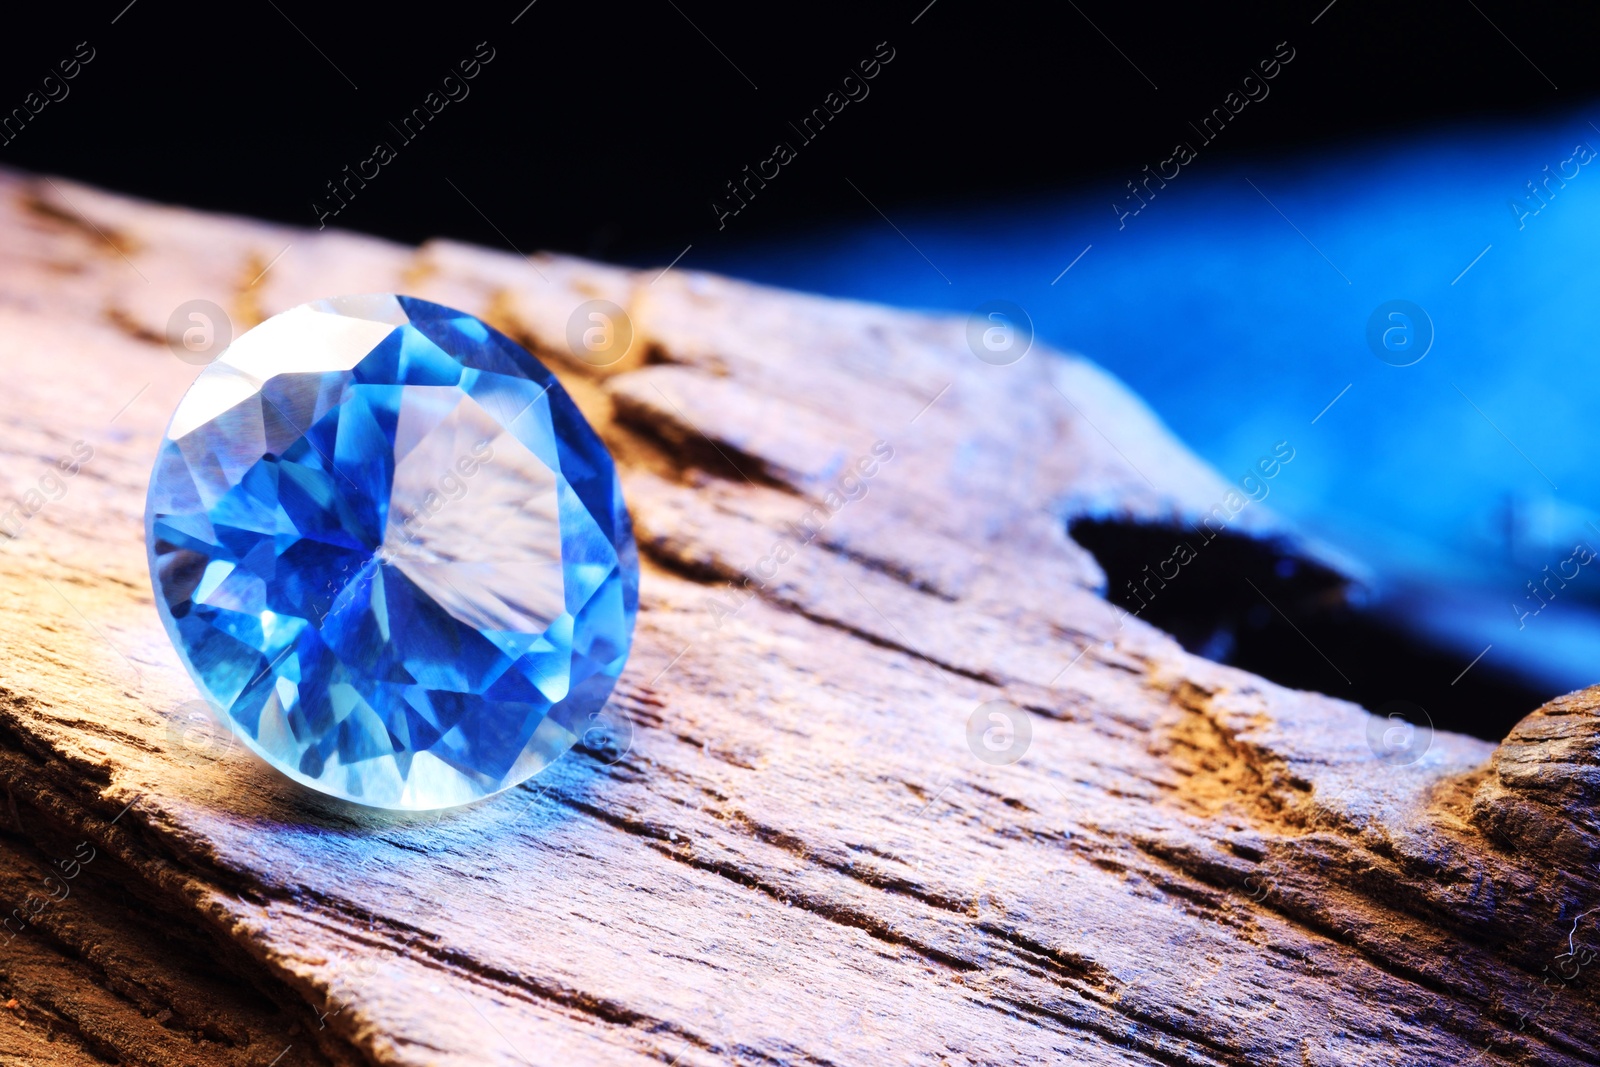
607, 130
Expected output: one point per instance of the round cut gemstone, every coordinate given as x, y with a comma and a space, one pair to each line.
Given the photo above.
391, 552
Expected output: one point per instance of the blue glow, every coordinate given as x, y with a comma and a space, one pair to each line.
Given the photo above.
387, 545
1239, 320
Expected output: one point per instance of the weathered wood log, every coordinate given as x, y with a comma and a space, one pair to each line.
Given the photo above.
791, 851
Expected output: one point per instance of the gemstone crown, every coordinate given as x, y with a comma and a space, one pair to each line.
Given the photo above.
391, 552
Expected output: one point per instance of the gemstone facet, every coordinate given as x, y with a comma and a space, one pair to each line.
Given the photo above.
391, 552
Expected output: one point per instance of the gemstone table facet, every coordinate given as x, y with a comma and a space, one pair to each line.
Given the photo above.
391, 552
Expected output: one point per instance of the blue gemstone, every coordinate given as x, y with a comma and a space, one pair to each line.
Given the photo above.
391, 551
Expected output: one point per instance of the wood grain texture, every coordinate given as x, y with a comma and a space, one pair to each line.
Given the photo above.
797, 859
